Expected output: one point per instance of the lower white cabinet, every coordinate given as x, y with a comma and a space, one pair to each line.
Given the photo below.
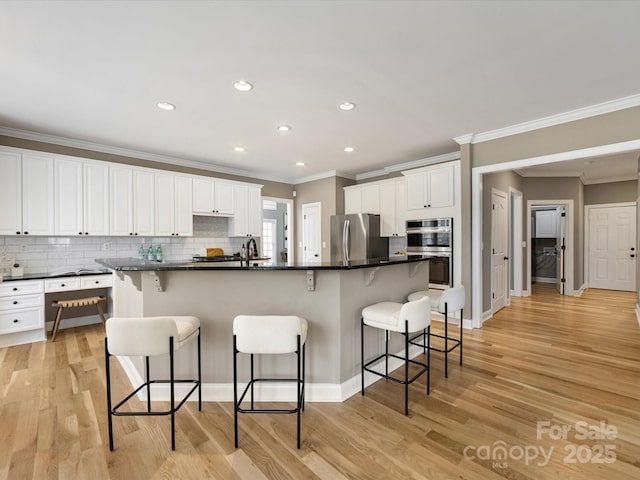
21, 306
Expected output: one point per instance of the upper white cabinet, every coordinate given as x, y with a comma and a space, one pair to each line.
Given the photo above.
81, 193
174, 205
363, 198
132, 203
11, 193
213, 197
37, 195
546, 224
393, 203
248, 218
430, 188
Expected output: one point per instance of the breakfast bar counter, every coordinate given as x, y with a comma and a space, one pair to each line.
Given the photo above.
330, 296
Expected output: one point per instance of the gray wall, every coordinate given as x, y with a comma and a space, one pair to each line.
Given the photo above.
615, 192
323, 191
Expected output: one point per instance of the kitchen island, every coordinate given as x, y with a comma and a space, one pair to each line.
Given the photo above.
330, 296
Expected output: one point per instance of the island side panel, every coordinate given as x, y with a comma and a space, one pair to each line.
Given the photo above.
216, 297
392, 283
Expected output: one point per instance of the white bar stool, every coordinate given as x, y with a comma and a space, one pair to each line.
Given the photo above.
405, 319
268, 334
146, 337
446, 302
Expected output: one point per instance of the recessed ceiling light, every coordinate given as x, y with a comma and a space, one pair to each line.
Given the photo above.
242, 86
166, 106
346, 106
300, 164
239, 149
284, 128
349, 149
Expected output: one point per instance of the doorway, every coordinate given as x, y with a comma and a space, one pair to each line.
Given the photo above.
550, 244
311, 232
499, 250
277, 225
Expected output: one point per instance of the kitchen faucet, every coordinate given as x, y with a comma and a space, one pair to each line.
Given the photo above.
252, 249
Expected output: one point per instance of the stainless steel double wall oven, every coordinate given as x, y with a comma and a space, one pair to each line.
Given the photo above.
433, 238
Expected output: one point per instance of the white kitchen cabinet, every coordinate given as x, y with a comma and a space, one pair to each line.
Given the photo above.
174, 205
21, 307
352, 199
37, 195
393, 201
132, 203
362, 198
11, 193
213, 197
248, 218
432, 188
81, 197
546, 224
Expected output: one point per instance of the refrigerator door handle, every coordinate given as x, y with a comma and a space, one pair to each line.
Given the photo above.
347, 240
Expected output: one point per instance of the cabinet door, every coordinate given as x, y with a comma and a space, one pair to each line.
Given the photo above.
165, 205
254, 211
96, 198
239, 223
371, 198
37, 195
143, 203
352, 200
120, 201
10, 193
440, 187
401, 207
223, 198
387, 209
202, 196
416, 191
183, 206
68, 218
546, 222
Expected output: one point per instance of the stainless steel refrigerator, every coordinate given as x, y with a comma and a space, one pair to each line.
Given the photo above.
357, 237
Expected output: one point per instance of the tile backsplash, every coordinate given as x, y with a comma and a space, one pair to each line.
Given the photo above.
59, 254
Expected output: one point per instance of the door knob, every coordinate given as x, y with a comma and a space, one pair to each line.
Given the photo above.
632, 249
506, 258
632, 255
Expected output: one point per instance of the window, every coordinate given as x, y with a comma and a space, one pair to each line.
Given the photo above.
268, 238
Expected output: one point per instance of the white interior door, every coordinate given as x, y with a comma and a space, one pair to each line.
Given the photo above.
612, 248
311, 233
499, 249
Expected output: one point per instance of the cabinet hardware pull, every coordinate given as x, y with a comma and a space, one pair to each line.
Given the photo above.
62, 285
15, 289
15, 302
15, 320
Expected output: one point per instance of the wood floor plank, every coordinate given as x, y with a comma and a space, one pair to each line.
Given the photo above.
545, 358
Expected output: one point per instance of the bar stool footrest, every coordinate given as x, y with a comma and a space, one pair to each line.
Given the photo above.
424, 368
116, 413
266, 410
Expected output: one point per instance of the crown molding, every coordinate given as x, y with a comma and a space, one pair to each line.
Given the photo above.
596, 181
136, 154
398, 167
321, 175
464, 139
570, 116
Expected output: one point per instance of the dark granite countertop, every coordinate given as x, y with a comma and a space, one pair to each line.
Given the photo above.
134, 264
57, 274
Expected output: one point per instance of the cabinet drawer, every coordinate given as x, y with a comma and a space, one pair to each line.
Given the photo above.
61, 284
20, 288
26, 319
21, 301
96, 281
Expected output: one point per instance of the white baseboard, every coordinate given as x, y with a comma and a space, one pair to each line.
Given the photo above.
580, 291
21, 338
638, 313
486, 315
516, 293
271, 392
526, 293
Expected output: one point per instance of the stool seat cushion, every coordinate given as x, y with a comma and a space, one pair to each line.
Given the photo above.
434, 297
148, 336
261, 334
392, 315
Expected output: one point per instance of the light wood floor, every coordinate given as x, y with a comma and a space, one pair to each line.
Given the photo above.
546, 358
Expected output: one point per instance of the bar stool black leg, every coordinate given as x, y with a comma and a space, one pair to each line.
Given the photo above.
199, 375
146, 372
173, 403
107, 358
386, 352
427, 338
252, 381
304, 354
235, 391
406, 366
299, 393
362, 356
461, 322
446, 342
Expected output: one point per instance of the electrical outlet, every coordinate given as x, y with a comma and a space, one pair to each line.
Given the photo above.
106, 246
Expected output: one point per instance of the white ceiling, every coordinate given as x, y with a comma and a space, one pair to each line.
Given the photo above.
421, 73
